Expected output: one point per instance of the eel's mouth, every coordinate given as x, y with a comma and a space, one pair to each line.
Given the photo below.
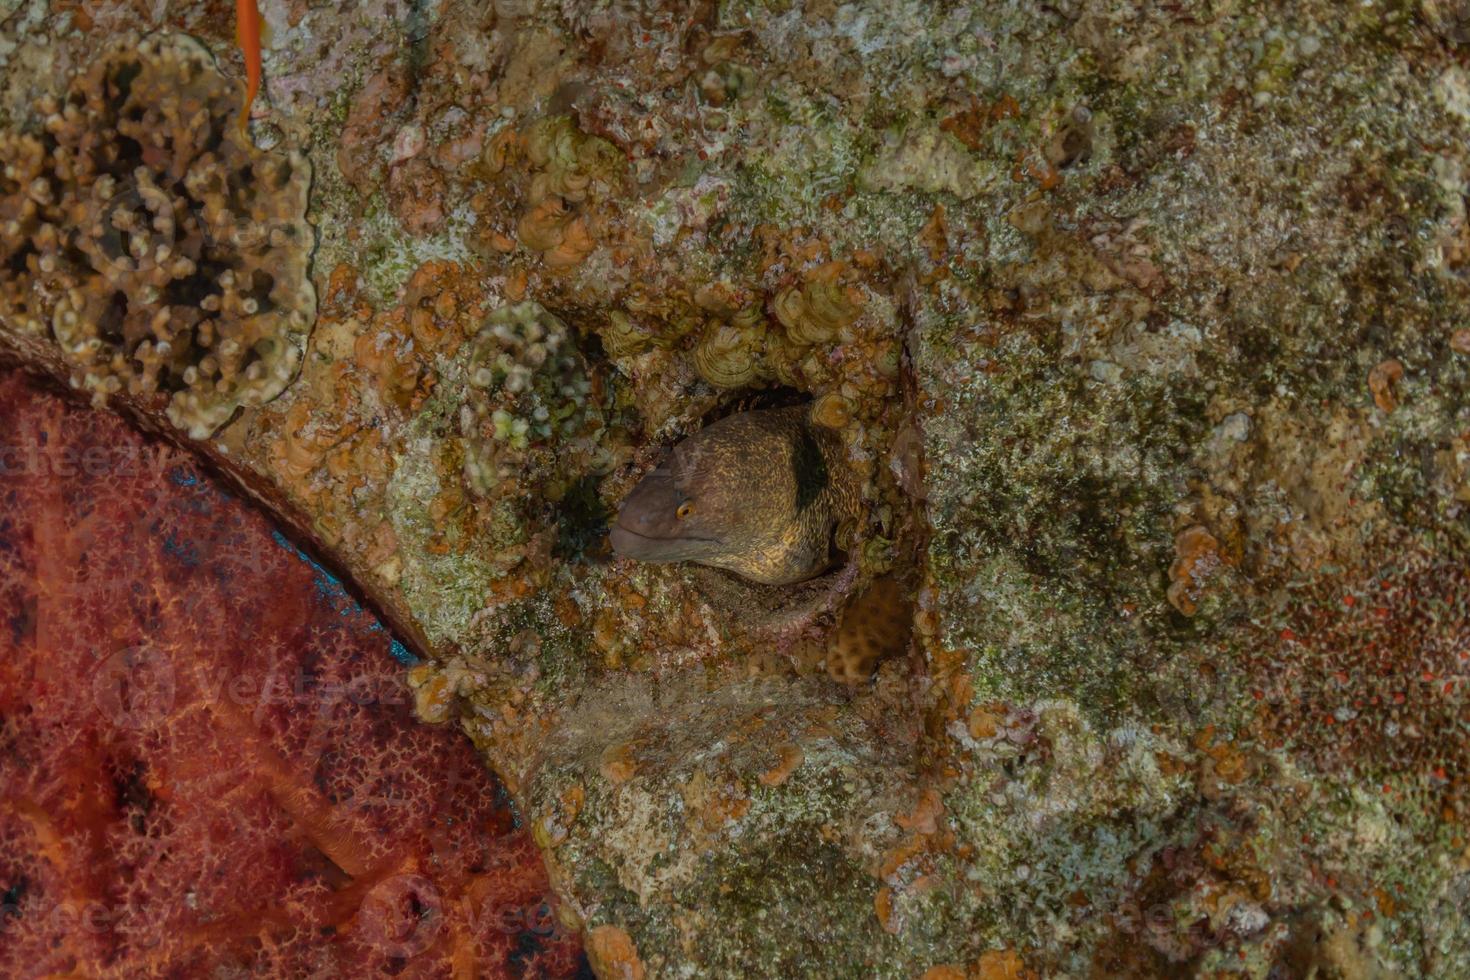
630, 544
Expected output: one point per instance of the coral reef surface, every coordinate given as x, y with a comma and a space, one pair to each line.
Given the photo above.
1143, 330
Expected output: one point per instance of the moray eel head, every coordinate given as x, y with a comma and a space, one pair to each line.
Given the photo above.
666, 518
757, 493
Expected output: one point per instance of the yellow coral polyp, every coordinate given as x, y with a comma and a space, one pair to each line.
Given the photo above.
622, 337
570, 161
499, 151
394, 369
569, 166
832, 410
552, 143
576, 244
569, 185
542, 228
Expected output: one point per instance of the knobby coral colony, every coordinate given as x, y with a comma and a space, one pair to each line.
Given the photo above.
163, 252
527, 384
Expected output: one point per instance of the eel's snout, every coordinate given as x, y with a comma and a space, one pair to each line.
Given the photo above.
623, 541
631, 544
644, 525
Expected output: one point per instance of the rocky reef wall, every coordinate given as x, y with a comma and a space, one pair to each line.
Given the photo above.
1145, 327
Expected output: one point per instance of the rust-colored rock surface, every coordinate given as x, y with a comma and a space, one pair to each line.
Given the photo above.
208, 760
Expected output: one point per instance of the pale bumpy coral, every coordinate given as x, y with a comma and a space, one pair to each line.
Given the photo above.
142, 231
529, 386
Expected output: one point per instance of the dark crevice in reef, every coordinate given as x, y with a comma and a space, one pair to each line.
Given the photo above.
416, 31
582, 521
754, 399
860, 611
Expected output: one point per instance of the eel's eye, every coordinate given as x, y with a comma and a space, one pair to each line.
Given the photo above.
685, 509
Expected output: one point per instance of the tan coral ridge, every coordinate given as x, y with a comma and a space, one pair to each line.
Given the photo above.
159, 249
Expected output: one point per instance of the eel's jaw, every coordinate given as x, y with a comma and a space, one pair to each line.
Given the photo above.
631, 544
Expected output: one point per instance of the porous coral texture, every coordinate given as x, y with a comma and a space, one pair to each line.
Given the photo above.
160, 249
208, 762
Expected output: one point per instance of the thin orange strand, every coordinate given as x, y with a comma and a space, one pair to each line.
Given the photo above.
247, 34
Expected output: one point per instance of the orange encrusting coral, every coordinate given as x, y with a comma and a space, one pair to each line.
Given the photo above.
208, 762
